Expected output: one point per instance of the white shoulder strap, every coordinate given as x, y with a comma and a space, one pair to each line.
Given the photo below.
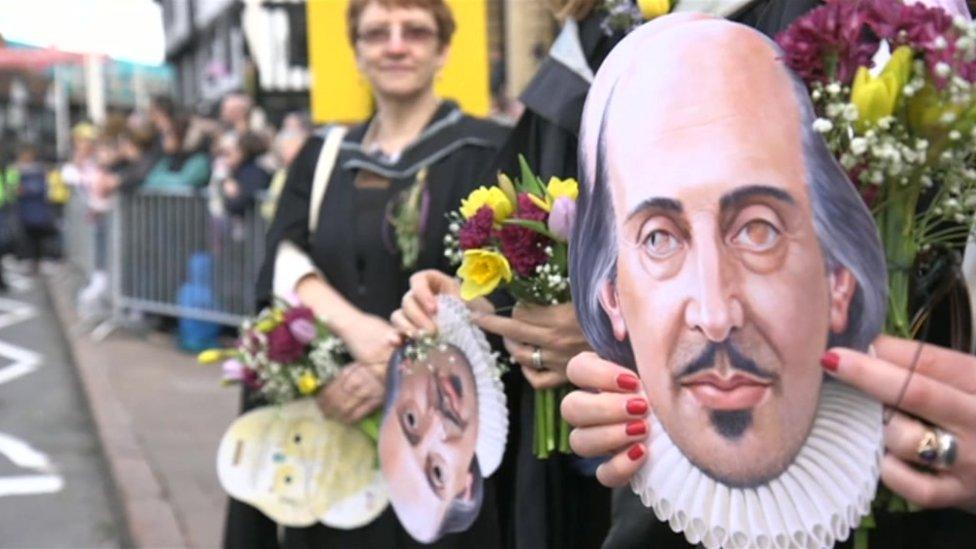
323, 172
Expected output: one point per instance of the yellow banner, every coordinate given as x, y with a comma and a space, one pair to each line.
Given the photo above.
340, 94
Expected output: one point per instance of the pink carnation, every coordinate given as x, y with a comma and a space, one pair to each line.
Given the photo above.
527, 209
476, 232
282, 345
524, 248
833, 31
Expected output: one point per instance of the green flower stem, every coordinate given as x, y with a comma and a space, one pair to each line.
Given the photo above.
897, 223
370, 425
551, 430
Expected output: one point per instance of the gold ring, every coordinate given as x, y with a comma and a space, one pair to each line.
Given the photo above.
938, 448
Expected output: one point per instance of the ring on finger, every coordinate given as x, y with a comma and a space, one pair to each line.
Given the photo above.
937, 448
537, 358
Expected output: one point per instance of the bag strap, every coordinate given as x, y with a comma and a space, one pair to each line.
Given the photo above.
323, 172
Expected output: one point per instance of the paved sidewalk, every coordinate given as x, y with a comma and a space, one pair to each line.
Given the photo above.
159, 416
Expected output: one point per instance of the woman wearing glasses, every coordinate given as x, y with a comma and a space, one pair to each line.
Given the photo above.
381, 218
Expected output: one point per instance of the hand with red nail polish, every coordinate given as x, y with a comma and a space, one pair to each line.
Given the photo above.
609, 416
918, 381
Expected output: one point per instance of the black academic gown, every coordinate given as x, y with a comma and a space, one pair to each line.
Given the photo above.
352, 247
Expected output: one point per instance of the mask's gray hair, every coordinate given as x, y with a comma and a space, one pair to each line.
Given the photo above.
844, 226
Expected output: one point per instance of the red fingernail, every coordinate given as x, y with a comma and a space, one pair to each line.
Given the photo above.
636, 452
635, 428
830, 361
627, 382
636, 406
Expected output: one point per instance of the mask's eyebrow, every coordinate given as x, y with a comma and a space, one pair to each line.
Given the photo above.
736, 198
661, 204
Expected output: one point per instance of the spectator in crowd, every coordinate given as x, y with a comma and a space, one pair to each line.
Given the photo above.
235, 112
295, 129
34, 211
180, 166
136, 159
80, 174
246, 178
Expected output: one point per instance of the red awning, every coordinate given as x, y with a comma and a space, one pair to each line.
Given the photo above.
36, 59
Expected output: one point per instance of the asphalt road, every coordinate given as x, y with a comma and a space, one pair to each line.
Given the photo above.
54, 485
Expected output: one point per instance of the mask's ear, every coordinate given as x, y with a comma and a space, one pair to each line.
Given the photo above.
610, 302
842, 288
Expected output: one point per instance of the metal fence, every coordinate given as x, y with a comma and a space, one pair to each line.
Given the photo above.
168, 255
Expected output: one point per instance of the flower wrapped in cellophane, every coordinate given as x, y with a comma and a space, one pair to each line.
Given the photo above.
514, 236
283, 354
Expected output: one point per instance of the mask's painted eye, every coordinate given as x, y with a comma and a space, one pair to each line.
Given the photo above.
410, 419
661, 244
298, 439
757, 236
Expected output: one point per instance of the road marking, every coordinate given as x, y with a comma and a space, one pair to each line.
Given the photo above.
24, 361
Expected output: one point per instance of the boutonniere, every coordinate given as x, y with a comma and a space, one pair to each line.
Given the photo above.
624, 16
407, 214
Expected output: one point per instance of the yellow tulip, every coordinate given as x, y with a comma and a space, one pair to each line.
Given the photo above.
507, 187
874, 98
877, 96
267, 325
211, 356
492, 197
307, 383
562, 187
481, 271
543, 204
653, 8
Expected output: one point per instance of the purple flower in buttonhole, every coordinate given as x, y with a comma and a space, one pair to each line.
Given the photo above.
562, 217
282, 345
234, 370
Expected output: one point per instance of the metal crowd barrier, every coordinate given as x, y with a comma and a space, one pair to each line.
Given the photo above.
170, 256
78, 238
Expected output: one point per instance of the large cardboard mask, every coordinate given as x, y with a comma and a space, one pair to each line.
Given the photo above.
719, 251
444, 427
299, 468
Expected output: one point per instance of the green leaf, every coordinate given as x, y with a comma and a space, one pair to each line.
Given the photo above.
536, 226
529, 182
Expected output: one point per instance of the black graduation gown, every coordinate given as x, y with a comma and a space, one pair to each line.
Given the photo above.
357, 260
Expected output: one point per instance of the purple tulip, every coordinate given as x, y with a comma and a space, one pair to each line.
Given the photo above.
562, 217
233, 370
303, 329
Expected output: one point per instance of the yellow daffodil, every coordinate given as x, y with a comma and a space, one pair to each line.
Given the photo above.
556, 188
877, 96
562, 187
307, 383
211, 356
481, 271
492, 197
653, 8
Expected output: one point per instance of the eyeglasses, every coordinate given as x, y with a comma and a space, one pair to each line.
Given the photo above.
409, 34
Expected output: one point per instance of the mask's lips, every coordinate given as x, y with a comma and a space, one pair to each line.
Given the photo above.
739, 391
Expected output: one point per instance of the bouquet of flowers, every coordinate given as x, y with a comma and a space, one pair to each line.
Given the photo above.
283, 354
514, 235
893, 86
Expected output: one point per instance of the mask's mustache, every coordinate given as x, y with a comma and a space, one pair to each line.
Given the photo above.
737, 360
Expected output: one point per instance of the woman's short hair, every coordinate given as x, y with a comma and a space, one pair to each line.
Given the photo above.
438, 8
